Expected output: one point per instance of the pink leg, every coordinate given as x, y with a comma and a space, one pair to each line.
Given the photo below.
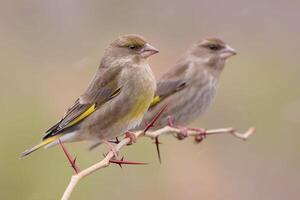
183, 130
131, 136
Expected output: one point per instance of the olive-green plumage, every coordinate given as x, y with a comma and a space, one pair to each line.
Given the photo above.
115, 100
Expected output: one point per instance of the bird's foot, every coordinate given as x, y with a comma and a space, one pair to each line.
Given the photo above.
201, 134
183, 133
131, 136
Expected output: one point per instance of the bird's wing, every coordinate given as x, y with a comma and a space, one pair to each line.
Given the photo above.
173, 81
102, 89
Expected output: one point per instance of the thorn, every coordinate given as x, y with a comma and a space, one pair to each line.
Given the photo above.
74, 161
147, 124
125, 162
117, 141
151, 124
155, 118
122, 159
69, 157
157, 143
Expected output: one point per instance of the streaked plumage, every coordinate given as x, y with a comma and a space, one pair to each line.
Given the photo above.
116, 99
189, 87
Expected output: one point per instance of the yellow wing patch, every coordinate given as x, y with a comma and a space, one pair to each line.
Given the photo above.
50, 139
155, 101
83, 115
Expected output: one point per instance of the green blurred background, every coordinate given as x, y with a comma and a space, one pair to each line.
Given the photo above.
50, 50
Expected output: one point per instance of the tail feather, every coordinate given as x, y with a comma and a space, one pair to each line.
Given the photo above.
38, 146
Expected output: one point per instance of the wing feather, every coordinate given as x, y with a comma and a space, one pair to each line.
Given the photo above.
103, 88
170, 83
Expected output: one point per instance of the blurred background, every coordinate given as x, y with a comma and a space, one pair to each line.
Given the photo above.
50, 50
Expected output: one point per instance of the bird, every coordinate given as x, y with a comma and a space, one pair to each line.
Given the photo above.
189, 87
116, 99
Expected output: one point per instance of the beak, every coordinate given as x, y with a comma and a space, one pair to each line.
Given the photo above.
228, 52
148, 50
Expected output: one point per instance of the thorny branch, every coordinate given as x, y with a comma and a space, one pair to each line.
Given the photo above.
198, 134
109, 158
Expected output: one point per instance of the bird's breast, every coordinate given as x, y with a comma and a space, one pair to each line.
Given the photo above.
141, 88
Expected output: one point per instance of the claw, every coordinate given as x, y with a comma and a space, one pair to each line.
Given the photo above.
183, 132
200, 137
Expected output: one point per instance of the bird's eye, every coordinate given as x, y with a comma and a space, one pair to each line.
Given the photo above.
132, 46
213, 47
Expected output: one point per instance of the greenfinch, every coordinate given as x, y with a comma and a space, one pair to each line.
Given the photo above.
116, 99
189, 87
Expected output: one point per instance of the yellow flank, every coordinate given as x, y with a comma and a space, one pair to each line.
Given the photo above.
83, 115
138, 110
155, 101
43, 143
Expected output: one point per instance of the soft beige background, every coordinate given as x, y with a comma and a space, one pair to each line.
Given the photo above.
49, 51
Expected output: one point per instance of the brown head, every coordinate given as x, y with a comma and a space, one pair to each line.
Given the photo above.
129, 47
212, 51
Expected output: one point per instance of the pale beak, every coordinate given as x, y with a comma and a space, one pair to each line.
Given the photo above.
148, 50
227, 52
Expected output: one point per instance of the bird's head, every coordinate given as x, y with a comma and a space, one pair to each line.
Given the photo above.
212, 51
130, 47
